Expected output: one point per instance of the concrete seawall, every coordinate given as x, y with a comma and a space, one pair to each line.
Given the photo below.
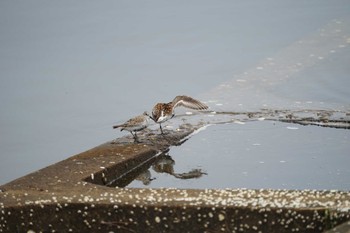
71, 196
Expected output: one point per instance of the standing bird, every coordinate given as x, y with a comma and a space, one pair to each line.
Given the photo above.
135, 124
162, 112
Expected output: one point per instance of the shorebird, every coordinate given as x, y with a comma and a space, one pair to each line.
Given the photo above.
135, 124
162, 112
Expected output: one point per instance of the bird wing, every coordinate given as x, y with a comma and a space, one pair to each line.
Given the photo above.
137, 120
188, 102
132, 121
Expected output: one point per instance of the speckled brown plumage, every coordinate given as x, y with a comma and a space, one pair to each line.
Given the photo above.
162, 112
135, 124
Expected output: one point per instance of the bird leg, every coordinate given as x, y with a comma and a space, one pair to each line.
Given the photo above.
134, 136
161, 129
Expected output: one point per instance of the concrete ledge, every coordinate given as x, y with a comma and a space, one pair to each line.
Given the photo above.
343, 228
70, 197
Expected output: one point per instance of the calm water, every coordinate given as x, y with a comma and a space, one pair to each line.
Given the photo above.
69, 70
259, 155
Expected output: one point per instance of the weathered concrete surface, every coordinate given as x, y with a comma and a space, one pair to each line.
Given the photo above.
343, 228
323, 118
69, 197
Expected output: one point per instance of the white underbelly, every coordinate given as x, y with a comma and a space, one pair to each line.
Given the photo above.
163, 118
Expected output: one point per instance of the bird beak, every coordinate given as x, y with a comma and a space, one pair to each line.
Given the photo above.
151, 118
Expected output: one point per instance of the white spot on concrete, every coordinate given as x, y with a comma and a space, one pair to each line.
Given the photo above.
157, 219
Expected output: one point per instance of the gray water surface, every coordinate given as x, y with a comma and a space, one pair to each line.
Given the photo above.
70, 70
260, 154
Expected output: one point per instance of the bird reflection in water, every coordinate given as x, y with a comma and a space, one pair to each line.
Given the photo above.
165, 164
